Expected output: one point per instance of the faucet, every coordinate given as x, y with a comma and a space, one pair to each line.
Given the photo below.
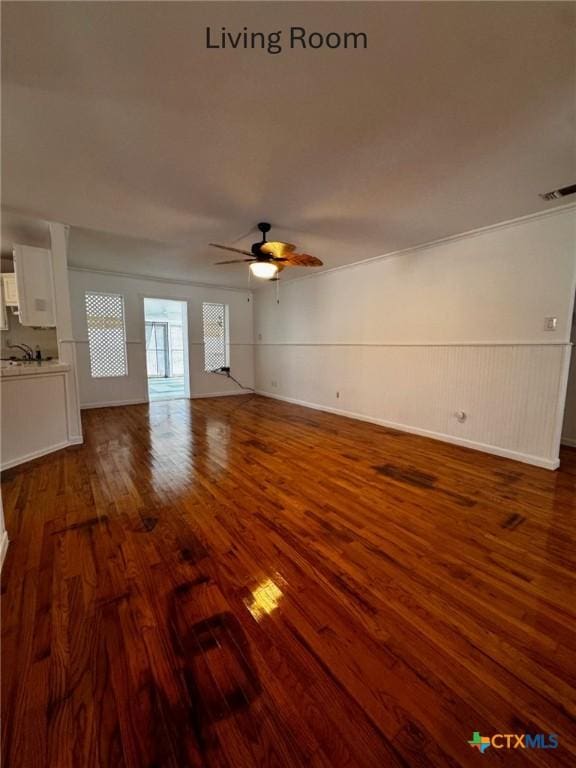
28, 352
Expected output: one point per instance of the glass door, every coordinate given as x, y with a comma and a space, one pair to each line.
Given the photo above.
157, 361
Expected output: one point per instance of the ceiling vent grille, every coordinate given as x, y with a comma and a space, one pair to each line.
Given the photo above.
557, 194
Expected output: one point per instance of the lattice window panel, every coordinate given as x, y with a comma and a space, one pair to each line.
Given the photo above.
106, 335
215, 336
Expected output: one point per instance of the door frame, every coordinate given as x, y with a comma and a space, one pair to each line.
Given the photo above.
184, 302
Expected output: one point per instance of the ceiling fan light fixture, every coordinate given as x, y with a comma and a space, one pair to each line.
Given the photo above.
267, 258
264, 269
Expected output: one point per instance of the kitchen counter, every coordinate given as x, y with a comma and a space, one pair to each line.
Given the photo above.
31, 368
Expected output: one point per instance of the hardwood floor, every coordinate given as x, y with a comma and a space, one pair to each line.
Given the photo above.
242, 582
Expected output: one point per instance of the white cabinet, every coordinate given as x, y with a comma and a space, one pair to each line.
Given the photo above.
33, 410
10, 289
3, 315
35, 285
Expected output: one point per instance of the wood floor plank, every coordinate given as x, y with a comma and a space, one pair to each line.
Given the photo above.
241, 582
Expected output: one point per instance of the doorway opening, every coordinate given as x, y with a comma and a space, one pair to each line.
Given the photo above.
166, 333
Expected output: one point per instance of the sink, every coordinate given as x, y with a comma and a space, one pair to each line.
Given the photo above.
26, 363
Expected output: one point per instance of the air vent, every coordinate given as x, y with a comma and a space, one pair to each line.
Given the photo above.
557, 194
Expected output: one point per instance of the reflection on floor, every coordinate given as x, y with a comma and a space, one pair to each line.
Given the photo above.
238, 582
162, 389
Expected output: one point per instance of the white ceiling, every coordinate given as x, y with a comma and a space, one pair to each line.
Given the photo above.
119, 122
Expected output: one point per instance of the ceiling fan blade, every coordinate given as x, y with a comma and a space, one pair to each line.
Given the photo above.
230, 248
277, 250
302, 260
234, 261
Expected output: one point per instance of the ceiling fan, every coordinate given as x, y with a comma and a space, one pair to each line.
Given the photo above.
267, 259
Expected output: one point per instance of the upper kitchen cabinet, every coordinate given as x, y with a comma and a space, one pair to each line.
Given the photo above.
3, 313
10, 292
35, 284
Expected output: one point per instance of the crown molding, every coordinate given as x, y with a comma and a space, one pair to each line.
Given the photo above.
152, 278
567, 208
557, 210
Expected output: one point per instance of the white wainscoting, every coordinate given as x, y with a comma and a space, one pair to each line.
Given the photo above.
511, 394
67, 355
133, 388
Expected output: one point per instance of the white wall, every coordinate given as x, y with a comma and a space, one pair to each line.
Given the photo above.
569, 427
133, 387
411, 339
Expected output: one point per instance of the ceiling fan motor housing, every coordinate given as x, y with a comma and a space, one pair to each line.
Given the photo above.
264, 227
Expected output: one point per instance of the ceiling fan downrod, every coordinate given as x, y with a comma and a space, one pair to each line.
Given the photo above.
264, 227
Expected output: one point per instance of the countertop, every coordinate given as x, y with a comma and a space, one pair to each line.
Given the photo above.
9, 369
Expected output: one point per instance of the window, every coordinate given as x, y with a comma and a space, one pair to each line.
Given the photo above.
215, 319
106, 335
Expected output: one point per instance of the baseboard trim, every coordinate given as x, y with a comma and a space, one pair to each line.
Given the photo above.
113, 403
505, 453
569, 441
37, 454
222, 394
3, 547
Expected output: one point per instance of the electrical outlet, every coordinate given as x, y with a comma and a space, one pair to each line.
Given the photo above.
550, 323
337, 395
